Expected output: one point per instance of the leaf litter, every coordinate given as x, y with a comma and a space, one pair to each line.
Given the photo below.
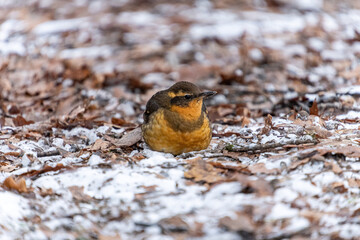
284, 159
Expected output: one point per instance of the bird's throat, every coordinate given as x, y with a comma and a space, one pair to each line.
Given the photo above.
192, 112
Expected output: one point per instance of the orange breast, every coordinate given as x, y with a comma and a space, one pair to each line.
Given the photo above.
161, 137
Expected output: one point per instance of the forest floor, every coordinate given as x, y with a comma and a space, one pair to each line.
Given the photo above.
284, 159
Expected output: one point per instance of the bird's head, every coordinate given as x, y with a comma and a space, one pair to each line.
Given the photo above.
187, 99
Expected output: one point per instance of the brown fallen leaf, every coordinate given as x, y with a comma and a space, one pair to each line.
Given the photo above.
6, 167
17, 185
78, 194
238, 168
45, 169
105, 237
298, 163
76, 70
76, 111
312, 215
100, 145
339, 187
46, 192
20, 121
318, 131
40, 88
348, 151
261, 168
118, 121
356, 213
309, 121
138, 157
334, 167
234, 155
260, 186
268, 125
201, 171
173, 224
196, 229
129, 139
314, 109
354, 182
245, 121
14, 109
348, 74
241, 223
15, 154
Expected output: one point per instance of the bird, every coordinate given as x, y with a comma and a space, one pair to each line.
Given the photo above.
176, 119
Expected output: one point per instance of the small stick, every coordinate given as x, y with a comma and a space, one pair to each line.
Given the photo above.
260, 147
48, 154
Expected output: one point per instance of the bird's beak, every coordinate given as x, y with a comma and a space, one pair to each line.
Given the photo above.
207, 94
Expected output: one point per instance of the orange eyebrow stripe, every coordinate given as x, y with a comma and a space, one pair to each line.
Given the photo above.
178, 94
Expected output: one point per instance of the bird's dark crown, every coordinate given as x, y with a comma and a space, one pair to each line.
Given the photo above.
182, 88
182, 93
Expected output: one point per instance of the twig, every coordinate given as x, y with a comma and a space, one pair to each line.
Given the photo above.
261, 147
48, 154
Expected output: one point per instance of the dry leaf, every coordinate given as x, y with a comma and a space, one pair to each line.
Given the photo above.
104, 237
260, 186
238, 168
354, 182
334, 167
100, 145
339, 187
196, 229
348, 74
2, 121
129, 139
242, 222
6, 167
118, 121
173, 224
20, 121
298, 163
15, 154
318, 131
268, 125
245, 121
314, 109
79, 195
202, 171
45, 169
18, 184
14, 109
348, 151
46, 192
261, 168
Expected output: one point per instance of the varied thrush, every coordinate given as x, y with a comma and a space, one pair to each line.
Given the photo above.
176, 121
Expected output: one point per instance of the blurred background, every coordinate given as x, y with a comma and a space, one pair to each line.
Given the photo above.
261, 56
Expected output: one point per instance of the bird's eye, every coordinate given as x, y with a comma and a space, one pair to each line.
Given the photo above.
187, 96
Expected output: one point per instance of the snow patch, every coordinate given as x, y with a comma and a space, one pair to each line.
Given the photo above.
89, 52
285, 194
80, 131
350, 115
282, 211
13, 207
59, 26
305, 188
95, 160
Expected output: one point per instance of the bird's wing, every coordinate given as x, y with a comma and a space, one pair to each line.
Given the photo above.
157, 101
